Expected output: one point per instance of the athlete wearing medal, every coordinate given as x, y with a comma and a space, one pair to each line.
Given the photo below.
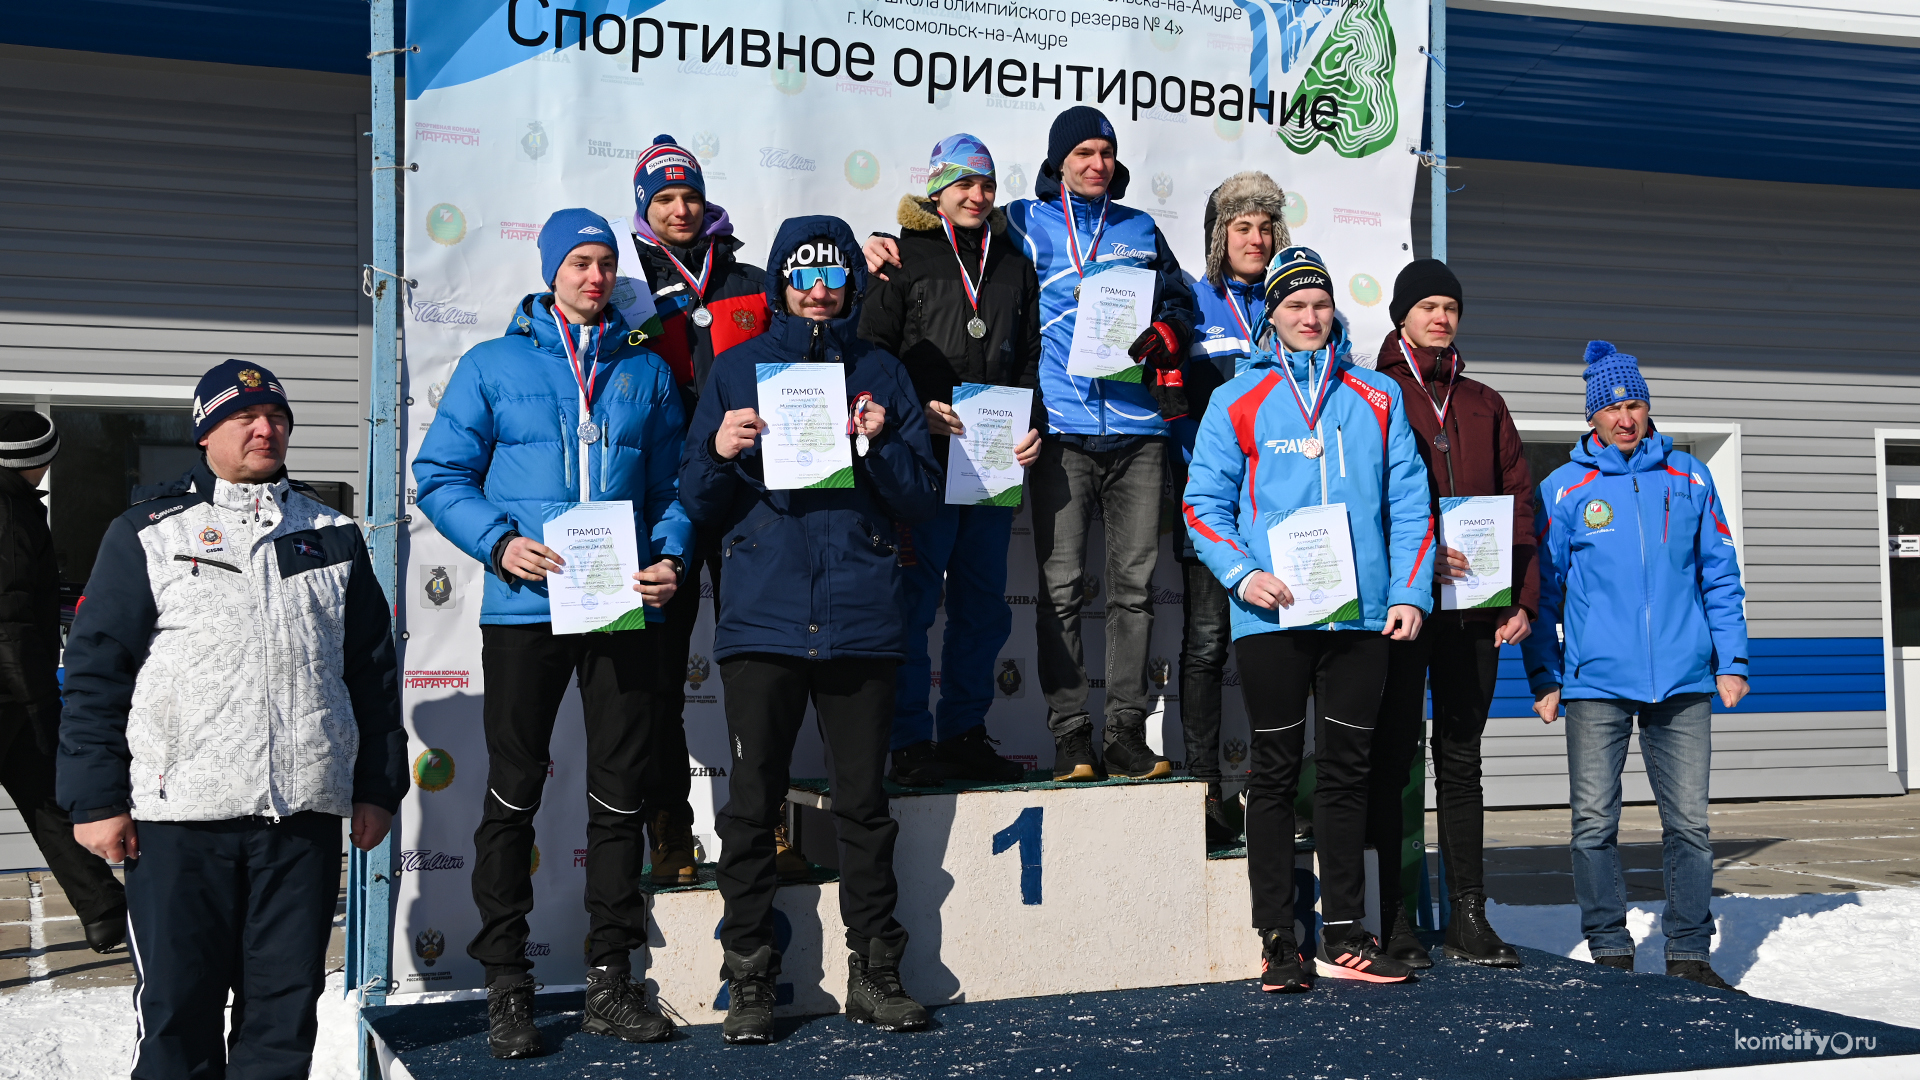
1303, 426
566, 407
1468, 440
961, 306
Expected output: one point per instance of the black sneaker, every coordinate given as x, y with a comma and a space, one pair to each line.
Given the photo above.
1701, 972
919, 765
970, 756
1283, 969
108, 933
1073, 758
510, 1030
1470, 936
1128, 755
616, 1005
749, 995
1220, 829
874, 993
1349, 952
1403, 945
1617, 962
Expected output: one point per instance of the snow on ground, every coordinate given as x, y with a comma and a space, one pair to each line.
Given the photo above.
1842, 953
1825, 952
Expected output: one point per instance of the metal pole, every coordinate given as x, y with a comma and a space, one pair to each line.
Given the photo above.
370, 915
1437, 121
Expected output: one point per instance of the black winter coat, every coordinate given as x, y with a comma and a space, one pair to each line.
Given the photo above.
29, 610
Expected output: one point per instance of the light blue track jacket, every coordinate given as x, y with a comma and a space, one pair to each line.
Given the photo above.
1637, 565
504, 449
1249, 462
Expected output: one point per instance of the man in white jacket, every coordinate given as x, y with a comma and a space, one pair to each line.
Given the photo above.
230, 697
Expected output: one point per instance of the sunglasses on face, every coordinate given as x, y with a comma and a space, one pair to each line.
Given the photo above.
804, 279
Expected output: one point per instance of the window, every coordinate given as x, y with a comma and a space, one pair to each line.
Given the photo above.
106, 453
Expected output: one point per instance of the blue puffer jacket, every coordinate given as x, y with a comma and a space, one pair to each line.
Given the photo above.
1637, 565
1249, 462
810, 573
1094, 406
502, 455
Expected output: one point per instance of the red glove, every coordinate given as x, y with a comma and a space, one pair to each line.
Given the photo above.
1158, 346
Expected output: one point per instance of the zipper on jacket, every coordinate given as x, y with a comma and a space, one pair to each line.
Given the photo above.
566, 451
1323, 462
1340, 436
197, 560
1646, 583
1666, 513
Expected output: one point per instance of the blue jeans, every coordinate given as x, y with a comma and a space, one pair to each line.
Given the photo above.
1676, 743
964, 549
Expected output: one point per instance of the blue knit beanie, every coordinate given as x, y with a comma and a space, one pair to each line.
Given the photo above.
665, 164
1612, 377
230, 387
566, 230
1075, 126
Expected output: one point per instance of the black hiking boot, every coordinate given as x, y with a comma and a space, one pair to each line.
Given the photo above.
919, 765
1470, 936
1127, 752
970, 756
1283, 970
1403, 945
1701, 972
510, 1030
616, 1005
874, 993
1221, 831
1616, 961
1073, 758
749, 995
107, 933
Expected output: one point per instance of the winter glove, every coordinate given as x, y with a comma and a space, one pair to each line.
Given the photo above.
1159, 347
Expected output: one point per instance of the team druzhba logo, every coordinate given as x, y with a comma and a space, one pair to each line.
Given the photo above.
698, 668
1598, 515
438, 586
433, 769
428, 944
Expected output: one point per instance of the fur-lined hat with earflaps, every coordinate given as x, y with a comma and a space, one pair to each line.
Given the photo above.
916, 212
1244, 193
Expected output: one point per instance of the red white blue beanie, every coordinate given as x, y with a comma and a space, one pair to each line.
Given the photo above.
230, 387
663, 165
1612, 377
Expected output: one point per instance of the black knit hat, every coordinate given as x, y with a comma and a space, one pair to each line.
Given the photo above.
27, 440
1075, 126
1418, 280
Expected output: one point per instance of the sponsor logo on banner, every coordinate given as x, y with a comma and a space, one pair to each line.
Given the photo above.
519, 230
695, 67
1013, 183
1159, 672
773, 157
705, 770
1235, 751
534, 142
1011, 679
1090, 589
437, 680
1165, 597
418, 860
1017, 598
1163, 187
438, 587
706, 145
446, 225
599, 149
788, 80
436, 391
862, 170
445, 133
1293, 207
579, 856
1230, 677
1357, 217
428, 944
443, 313
698, 669
539, 948
1365, 289
433, 769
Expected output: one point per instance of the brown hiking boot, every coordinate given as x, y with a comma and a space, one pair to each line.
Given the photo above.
672, 851
789, 865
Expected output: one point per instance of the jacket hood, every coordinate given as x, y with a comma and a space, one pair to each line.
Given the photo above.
916, 212
533, 317
1250, 192
715, 224
1046, 186
792, 233
1649, 456
1393, 361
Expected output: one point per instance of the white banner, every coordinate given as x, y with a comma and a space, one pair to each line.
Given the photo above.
521, 108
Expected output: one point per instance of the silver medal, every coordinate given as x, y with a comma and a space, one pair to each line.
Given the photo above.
702, 317
589, 431
977, 327
860, 444
1312, 448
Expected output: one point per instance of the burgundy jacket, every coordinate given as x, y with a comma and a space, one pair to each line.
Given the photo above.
1484, 458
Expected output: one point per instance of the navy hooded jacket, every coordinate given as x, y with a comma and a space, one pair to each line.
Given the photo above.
810, 573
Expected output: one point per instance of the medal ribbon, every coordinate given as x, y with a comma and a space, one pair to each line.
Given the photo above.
1440, 410
970, 284
1319, 393
588, 380
1246, 330
1073, 248
697, 284
853, 413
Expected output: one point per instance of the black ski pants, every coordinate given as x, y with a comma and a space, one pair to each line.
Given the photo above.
1343, 670
527, 667
767, 699
244, 905
26, 771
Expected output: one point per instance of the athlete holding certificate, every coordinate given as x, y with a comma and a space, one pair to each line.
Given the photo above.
1283, 447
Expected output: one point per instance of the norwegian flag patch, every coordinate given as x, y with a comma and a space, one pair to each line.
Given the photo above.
307, 548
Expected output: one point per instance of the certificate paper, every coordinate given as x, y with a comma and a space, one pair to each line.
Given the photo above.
1312, 550
981, 470
1481, 527
1115, 305
594, 590
805, 444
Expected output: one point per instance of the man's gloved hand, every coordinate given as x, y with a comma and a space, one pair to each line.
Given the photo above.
1158, 347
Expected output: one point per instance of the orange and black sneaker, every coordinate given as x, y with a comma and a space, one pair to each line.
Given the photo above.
1283, 970
1347, 951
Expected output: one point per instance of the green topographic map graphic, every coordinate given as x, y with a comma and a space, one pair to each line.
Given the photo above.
1355, 67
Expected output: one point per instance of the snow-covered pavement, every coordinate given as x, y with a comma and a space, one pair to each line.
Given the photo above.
1843, 952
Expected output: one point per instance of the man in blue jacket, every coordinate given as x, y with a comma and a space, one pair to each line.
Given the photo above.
808, 614
1303, 427
565, 407
1106, 448
1637, 566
